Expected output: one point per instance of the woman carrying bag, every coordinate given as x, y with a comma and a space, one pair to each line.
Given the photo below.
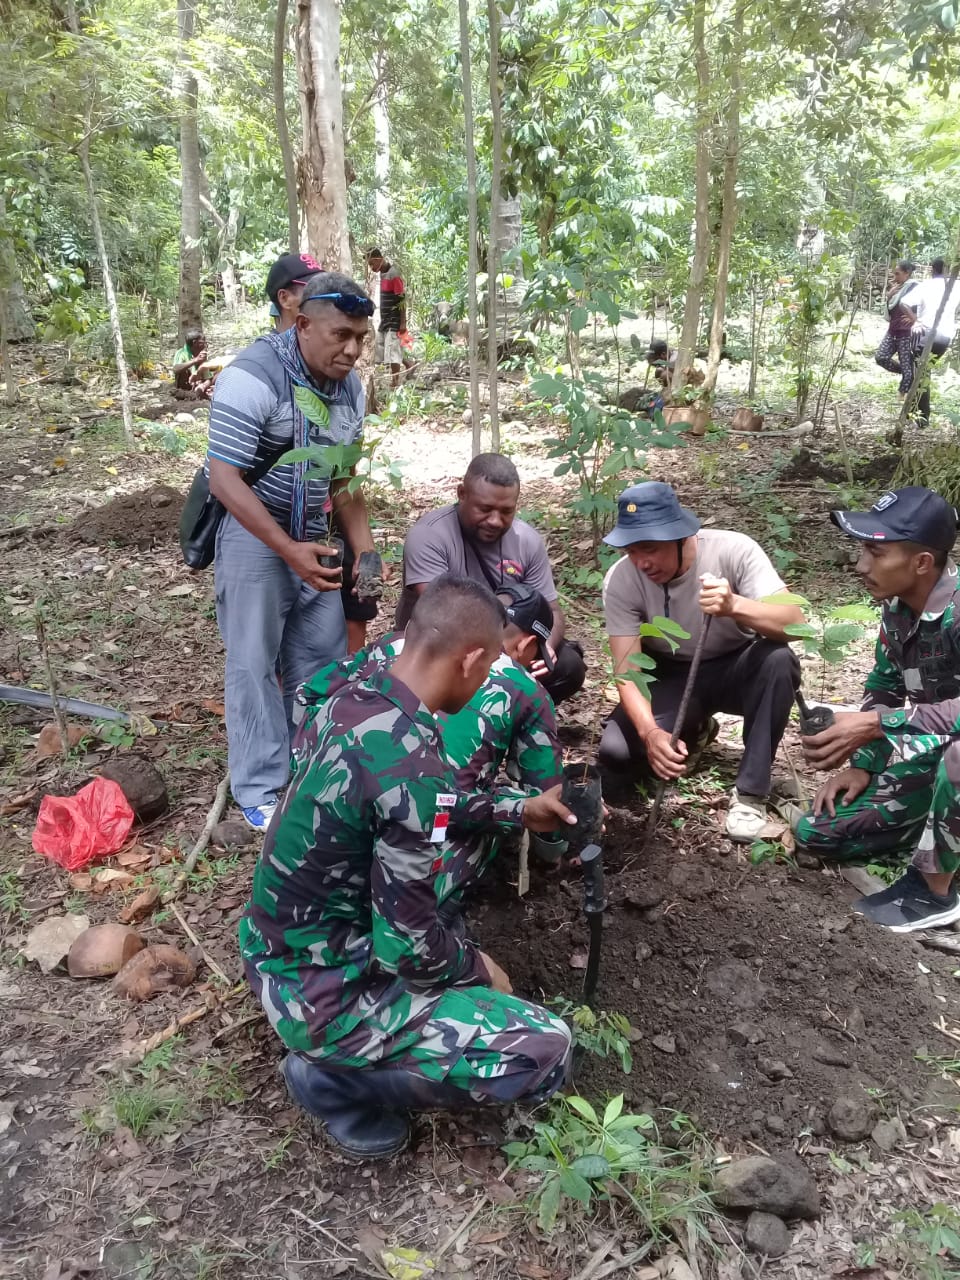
898, 341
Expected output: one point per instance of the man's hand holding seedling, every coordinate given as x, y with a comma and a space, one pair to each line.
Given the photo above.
850, 730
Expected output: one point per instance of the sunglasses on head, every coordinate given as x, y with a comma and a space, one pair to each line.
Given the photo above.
351, 304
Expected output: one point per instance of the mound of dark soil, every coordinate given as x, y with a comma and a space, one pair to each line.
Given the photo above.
758, 996
805, 465
145, 519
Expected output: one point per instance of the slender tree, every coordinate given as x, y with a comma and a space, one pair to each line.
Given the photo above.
472, 225
323, 180
493, 14
283, 133
110, 296
191, 308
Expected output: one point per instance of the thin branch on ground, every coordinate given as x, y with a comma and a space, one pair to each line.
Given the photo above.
190, 862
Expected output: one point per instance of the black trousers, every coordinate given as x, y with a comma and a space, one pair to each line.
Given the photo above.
568, 674
757, 682
923, 400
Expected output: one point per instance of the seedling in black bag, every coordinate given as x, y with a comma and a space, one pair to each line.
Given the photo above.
828, 638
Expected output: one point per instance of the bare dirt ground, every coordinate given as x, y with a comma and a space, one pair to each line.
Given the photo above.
755, 998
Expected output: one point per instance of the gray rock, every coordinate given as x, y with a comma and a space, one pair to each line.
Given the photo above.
233, 834
770, 1184
776, 1124
830, 1055
767, 1234
666, 1043
888, 1134
851, 1118
644, 951
775, 1069
856, 1022
185, 420
741, 1033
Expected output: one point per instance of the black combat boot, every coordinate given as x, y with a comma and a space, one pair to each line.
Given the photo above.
350, 1105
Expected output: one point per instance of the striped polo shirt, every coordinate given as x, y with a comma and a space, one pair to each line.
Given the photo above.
251, 417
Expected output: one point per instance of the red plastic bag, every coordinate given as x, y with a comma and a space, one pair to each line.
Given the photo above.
75, 830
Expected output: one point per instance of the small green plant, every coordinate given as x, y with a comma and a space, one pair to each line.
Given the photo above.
579, 1155
114, 733
828, 636
275, 1157
932, 1238
11, 897
598, 444
607, 1035
764, 851
147, 1110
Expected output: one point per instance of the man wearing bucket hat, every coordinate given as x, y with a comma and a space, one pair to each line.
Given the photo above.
898, 794
673, 568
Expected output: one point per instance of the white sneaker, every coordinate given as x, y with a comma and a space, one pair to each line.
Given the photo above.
746, 817
258, 816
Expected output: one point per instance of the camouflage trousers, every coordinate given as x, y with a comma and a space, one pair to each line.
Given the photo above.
494, 1047
911, 808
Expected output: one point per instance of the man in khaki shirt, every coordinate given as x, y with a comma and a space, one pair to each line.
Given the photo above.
673, 568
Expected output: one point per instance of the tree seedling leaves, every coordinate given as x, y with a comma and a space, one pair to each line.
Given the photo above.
786, 597
311, 406
578, 318
838, 634
854, 613
802, 631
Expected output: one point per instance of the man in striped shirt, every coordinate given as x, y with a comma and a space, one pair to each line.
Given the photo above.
278, 607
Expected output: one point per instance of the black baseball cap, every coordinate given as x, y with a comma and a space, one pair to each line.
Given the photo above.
292, 268
530, 612
650, 512
903, 515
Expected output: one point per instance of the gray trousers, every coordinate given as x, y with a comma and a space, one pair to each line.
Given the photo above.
273, 625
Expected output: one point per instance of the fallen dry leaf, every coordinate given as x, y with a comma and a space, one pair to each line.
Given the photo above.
135, 856
48, 744
215, 708
773, 831
141, 906
82, 881
17, 803
111, 878
49, 941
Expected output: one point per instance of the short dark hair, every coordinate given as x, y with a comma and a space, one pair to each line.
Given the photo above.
455, 613
374, 253
937, 266
330, 282
939, 553
905, 265
192, 335
495, 469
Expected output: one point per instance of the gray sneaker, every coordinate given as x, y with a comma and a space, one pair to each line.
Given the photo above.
909, 905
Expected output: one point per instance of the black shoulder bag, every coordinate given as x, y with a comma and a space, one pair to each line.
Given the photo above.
202, 513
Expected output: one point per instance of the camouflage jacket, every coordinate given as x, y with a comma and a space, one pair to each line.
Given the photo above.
342, 919
917, 660
508, 721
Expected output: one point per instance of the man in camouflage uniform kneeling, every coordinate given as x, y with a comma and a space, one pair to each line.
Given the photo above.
383, 1008
508, 723
899, 794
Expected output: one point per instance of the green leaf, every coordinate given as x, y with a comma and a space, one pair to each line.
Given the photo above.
641, 661
613, 1108
539, 1164
311, 406
632, 1121
785, 597
549, 1205
802, 630
592, 1166
582, 1107
578, 318
668, 627
575, 1186
854, 613
838, 634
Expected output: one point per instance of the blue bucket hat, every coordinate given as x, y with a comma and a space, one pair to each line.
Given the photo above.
650, 512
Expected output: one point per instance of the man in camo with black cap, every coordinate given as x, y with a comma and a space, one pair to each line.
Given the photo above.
897, 796
674, 568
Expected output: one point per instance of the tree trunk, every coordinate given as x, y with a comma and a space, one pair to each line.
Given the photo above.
8, 333
323, 181
113, 310
701, 240
283, 133
472, 264
493, 14
383, 211
191, 311
728, 213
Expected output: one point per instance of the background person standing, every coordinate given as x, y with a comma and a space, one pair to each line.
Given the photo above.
393, 313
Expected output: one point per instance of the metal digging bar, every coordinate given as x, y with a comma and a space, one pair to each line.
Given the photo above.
678, 725
594, 903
